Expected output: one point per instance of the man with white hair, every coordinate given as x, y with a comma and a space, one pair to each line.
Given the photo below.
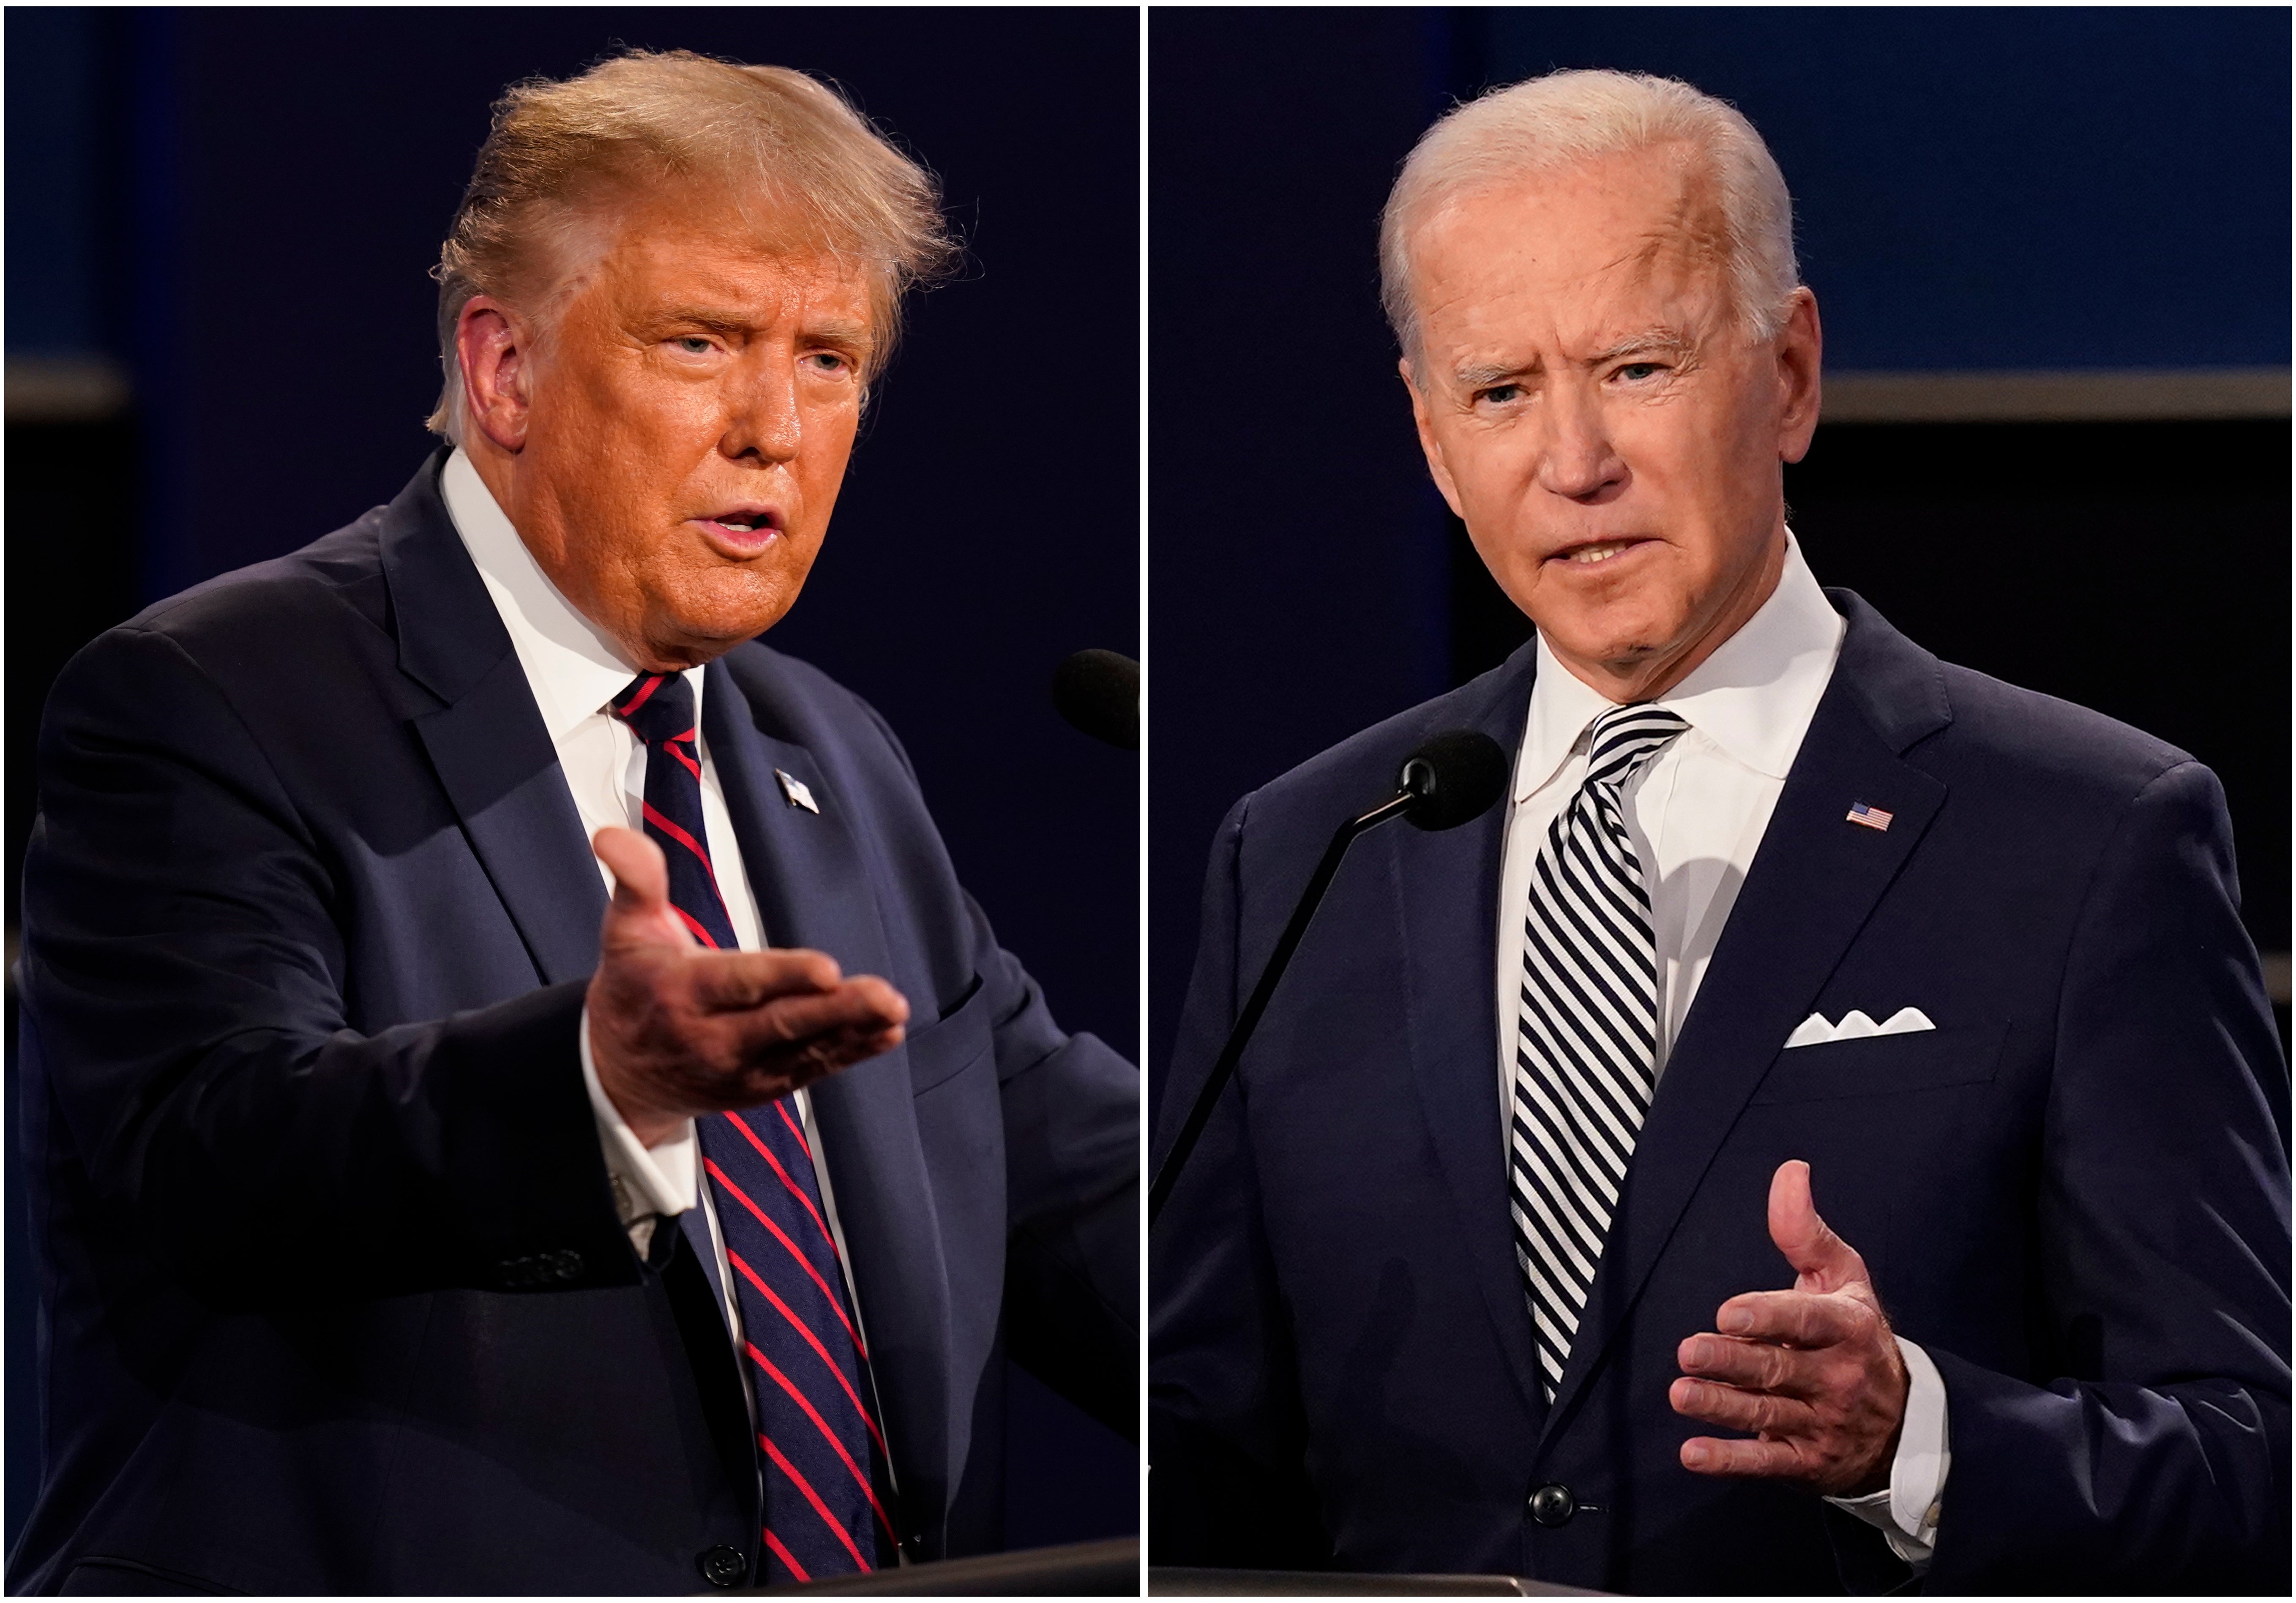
1782, 912
428, 1206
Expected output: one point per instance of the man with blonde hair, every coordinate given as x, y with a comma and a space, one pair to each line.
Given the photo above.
1780, 910
519, 1100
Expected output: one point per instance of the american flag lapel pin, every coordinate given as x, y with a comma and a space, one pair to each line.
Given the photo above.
798, 795
1873, 818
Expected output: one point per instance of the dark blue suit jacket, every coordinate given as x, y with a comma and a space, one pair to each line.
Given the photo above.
2073, 1192
334, 1296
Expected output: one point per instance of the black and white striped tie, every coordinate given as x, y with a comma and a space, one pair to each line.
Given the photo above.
1586, 1032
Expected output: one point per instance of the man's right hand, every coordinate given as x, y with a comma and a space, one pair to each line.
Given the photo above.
678, 1031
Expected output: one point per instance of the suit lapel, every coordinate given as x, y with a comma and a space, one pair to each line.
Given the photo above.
488, 743
1814, 881
1448, 888
813, 889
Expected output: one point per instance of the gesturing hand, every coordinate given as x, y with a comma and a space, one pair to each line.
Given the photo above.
1813, 1371
678, 1031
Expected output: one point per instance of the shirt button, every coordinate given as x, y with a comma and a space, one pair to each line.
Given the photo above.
1553, 1505
722, 1566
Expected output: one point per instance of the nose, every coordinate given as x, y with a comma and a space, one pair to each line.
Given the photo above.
1578, 461
764, 422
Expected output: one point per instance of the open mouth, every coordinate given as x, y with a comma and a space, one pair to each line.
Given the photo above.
1596, 553
743, 528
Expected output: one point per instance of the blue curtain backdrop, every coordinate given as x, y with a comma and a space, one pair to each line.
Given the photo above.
238, 208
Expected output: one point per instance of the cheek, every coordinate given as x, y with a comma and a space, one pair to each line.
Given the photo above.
1496, 472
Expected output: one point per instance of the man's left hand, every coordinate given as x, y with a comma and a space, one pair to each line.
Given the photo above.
1813, 1372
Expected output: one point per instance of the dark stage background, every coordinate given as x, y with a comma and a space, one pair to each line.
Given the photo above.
220, 347
1979, 192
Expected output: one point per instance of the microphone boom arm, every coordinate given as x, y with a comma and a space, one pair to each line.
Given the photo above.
1224, 1069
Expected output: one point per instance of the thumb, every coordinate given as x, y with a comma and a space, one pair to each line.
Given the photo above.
641, 909
1817, 1254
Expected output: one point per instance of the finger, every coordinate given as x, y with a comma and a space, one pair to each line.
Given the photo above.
641, 875
1797, 1319
729, 981
1756, 1366
640, 912
1709, 1455
862, 1007
1813, 1249
1734, 1410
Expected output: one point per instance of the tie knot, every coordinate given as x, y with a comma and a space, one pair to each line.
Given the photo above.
1624, 738
660, 706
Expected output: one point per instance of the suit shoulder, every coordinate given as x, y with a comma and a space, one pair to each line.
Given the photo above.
333, 578
2075, 751
772, 679
793, 700
284, 619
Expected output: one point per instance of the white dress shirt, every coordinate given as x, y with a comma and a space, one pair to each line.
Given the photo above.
1696, 813
574, 671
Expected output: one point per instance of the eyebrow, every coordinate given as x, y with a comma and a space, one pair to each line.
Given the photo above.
839, 330
1476, 375
1661, 338
696, 317
835, 330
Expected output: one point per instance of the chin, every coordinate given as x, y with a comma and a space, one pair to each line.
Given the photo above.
723, 631
1618, 642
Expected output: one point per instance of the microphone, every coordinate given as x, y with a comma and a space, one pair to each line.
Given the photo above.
1449, 780
1098, 691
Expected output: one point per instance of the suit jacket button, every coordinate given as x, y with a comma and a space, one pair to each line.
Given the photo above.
722, 1566
1553, 1504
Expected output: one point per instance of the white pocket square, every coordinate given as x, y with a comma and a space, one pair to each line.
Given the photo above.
1855, 1026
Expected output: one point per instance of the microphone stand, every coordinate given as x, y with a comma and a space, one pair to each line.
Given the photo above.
1417, 779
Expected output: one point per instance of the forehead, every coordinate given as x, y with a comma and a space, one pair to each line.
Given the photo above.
730, 251
1629, 240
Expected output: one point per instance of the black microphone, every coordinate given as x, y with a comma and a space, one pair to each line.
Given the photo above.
1452, 778
1098, 691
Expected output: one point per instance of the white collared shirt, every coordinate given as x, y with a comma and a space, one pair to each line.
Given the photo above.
574, 671
1696, 813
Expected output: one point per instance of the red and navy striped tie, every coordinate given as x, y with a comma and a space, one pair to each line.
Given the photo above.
827, 1491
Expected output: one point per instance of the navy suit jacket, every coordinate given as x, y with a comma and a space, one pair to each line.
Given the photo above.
333, 1294
2073, 1193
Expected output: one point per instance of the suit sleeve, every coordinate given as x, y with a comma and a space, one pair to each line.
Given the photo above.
185, 981
1226, 1434
1069, 1107
1071, 1114
2159, 1460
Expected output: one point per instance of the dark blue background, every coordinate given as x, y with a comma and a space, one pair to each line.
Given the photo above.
1997, 188
240, 207
1975, 189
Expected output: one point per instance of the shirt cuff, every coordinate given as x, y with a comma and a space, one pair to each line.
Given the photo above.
649, 1181
1905, 1511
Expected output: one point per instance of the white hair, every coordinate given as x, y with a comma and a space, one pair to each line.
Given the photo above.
1565, 120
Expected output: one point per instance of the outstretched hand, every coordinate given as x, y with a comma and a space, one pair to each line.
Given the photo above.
678, 1031
1813, 1372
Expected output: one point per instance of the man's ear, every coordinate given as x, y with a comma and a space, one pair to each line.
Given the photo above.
1428, 443
495, 347
1800, 348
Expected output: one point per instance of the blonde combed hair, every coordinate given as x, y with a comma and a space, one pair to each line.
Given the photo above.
1565, 120
561, 155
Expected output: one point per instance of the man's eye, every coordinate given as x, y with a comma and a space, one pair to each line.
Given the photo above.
1635, 372
1501, 393
828, 361
692, 345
